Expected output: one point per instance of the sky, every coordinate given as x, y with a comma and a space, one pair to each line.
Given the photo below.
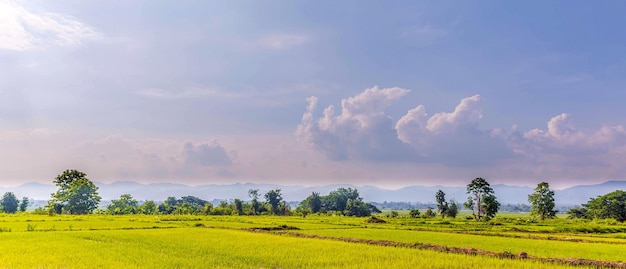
379, 93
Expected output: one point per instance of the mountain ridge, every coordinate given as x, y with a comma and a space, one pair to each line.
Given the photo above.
506, 194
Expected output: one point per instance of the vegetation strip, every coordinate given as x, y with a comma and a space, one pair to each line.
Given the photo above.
446, 249
535, 237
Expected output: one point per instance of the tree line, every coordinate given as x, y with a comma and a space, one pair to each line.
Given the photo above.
76, 194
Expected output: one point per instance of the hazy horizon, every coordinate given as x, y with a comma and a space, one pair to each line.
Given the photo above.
387, 94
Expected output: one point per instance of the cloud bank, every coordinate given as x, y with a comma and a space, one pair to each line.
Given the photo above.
362, 130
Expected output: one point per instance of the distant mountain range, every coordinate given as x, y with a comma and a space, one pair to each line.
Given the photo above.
423, 194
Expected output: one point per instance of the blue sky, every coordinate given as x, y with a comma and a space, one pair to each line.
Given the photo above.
420, 93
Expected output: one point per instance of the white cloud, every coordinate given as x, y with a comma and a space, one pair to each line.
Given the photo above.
283, 41
562, 142
361, 131
466, 114
22, 29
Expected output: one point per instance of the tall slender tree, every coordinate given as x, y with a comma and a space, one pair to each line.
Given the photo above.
442, 205
254, 195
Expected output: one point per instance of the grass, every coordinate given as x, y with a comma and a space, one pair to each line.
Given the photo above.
137, 241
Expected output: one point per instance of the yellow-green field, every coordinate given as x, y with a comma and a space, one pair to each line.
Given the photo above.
189, 241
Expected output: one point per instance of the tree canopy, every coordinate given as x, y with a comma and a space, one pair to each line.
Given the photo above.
9, 202
610, 205
76, 194
482, 200
542, 202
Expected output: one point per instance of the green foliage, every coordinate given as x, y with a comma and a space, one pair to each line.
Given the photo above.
9, 203
356, 208
453, 211
274, 199
24, 204
149, 207
430, 213
577, 213
255, 205
125, 205
76, 194
415, 213
313, 203
610, 205
238, 206
337, 200
542, 202
184, 205
482, 200
442, 205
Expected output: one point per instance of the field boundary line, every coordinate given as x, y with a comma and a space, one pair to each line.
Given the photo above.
447, 249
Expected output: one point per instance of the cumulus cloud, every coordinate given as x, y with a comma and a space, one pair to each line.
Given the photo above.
363, 130
562, 142
22, 29
209, 154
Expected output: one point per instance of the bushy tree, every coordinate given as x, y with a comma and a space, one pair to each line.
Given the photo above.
238, 206
24, 204
356, 208
453, 210
168, 206
184, 205
415, 213
149, 207
442, 205
482, 200
76, 194
9, 202
273, 198
125, 205
430, 213
542, 202
315, 202
610, 205
345, 201
577, 213
338, 199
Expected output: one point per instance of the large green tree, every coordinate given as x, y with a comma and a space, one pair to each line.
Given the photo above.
542, 201
337, 200
482, 200
610, 205
76, 194
9, 202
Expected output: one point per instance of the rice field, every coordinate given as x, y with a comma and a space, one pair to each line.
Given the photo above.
190, 241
